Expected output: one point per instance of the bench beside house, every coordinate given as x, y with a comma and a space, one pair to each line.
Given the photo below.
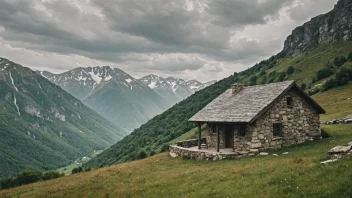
247, 120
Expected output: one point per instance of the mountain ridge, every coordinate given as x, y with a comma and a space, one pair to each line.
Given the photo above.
111, 92
173, 89
121, 98
322, 29
42, 126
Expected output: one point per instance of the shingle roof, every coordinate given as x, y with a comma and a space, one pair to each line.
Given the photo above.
245, 105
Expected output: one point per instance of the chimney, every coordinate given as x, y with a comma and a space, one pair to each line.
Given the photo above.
236, 88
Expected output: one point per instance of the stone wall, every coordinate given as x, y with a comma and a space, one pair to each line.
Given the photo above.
189, 153
212, 135
190, 143
300, 122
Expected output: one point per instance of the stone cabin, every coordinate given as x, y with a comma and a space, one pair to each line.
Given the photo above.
255, 118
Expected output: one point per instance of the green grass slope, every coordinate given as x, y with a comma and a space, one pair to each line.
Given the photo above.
298, 174
174, 122
42, 127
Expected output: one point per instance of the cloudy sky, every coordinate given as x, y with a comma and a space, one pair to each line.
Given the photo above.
190, 39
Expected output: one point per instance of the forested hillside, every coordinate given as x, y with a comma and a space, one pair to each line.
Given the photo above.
42, 127
151, 137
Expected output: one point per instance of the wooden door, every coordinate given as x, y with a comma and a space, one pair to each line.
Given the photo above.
229, 135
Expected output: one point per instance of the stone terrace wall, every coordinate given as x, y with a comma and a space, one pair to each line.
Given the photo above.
199, 154
190, 143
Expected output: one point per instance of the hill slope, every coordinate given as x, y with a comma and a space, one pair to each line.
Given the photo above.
43, 127
113, 93
297, 174
302, 67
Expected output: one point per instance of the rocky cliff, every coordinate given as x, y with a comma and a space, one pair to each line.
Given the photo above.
326, 28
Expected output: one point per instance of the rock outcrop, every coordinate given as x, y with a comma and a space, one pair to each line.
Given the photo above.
326, 28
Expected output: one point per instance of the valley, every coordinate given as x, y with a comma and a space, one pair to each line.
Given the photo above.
124, 100
42, 126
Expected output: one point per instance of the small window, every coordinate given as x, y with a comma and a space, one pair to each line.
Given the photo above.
289, 101
242, 131
277, 130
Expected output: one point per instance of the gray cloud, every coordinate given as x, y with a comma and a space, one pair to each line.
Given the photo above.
210, 39
242, 13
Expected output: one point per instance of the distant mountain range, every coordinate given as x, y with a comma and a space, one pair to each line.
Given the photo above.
116, 95
305, 50
173, 89
42, 127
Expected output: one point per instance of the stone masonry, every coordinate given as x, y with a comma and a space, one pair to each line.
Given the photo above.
300, 123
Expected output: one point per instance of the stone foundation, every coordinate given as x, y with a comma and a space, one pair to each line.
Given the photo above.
200, 154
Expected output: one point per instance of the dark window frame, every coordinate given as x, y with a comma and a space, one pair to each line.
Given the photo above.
213, 128
289, 102
277, 130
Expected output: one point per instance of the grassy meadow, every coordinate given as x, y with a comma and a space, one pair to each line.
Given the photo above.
298, 174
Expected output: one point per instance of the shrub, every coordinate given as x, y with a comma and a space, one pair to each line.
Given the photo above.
77, 170
262, 73
325, 72
343, 76
52, 175
330, 83
152, 153
303, 86
6, 183
263, 80
339, 60
282, 76
28, 176
270, 65
164, 148
253, 80
290, 70
312, 92
87, 169
349, 57
314, 80
142, 154
325, 134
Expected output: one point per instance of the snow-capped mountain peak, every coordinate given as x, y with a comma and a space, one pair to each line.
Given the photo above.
173, 89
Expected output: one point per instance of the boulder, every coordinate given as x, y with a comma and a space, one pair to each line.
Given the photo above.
173, 155
328, 161
340, 149
263, 154
285, 153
